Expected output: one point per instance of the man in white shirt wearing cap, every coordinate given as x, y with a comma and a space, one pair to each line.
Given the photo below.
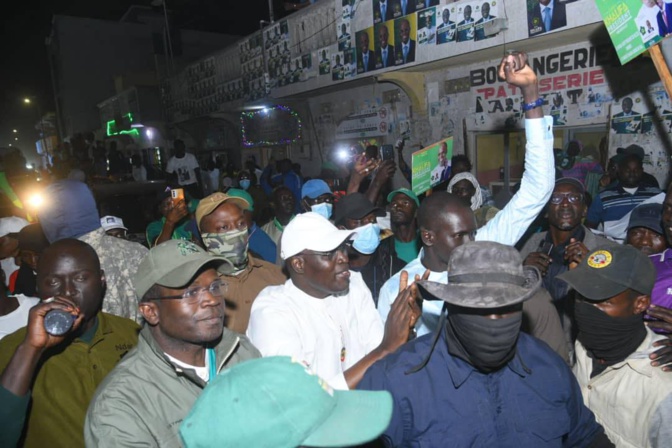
324, 315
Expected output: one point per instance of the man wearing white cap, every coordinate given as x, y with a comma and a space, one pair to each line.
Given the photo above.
324, 315
114, 226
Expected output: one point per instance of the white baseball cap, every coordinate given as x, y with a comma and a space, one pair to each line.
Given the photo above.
311, 231
111, 223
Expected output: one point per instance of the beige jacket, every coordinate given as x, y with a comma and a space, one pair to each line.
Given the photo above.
632, 400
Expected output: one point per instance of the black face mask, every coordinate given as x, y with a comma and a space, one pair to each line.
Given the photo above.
487, 344
606, 338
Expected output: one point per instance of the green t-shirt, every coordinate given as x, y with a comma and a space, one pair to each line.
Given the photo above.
179, 233
407, 251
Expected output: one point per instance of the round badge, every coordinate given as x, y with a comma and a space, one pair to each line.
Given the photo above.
600, 259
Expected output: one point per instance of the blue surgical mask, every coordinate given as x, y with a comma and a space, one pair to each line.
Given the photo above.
323, 209
245, 184
367, 240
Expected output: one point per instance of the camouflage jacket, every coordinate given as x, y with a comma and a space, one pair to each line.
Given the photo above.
119, 259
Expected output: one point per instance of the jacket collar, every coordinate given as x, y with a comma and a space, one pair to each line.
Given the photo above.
223, 351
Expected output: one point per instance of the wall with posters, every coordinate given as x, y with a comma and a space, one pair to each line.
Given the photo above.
581, 84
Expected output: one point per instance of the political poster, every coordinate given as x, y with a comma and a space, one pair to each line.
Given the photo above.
635, 25
431, 165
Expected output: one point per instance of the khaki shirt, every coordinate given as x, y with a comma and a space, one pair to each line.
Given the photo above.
65, 380
243, 288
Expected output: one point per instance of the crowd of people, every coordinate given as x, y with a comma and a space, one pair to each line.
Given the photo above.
280, 311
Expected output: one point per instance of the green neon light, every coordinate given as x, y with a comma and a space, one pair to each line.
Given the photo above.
112, 128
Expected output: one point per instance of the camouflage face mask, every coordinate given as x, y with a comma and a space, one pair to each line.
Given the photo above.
230, 245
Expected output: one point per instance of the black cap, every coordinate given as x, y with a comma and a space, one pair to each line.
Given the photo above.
610, 270
571, 181
649, 216
634, 149
32, 238
355, 206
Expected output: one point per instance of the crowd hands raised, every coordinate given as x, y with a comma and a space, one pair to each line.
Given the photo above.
353, 314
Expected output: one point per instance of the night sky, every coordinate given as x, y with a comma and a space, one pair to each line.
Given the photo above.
24, 70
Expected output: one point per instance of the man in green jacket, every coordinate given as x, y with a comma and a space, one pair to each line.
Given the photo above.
181, 348
48, 380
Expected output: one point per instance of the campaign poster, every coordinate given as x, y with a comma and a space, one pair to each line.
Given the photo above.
484, 12
343, 37
430, 166
366, 58
422, 4
405, 31
427, 26
337, 71
324, 55
382, 11
446, 30
465, 26
635, 25
544, 16
384, 44
349, 64
626, 115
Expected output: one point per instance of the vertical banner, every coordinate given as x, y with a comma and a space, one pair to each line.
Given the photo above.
431, 165
427, 26
405, 31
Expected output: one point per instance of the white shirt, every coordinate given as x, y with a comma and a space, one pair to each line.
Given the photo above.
632, 400
185, 168
506, 227
286, 321
139, 173
19, 317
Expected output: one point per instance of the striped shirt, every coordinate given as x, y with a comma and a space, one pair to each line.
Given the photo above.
613, 203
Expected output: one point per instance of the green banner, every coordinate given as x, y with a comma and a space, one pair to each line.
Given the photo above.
634, 25
431, 165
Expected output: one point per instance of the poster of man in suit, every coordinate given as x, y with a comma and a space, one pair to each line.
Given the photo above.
366, 58
405, 32
628, 120
545, 15
384, 34
337, 66
325, 60
465, 28
383, 10
422, 4
487, 11
402, 8
446, 31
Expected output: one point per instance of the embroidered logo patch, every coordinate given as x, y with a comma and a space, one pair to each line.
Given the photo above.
600, 259
187, 248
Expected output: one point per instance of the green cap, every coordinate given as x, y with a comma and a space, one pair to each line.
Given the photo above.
173, 264
405, 191
609, 270
238, 193
275, 402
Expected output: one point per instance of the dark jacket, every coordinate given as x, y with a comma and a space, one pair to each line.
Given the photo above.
383, 265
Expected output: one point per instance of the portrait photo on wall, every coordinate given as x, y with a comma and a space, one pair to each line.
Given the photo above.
422, 4
402, 8
349, 63
446, 29
344, 35
324, 55
382, 11
366, 58
465, 26
484, 12
383, 44
545, 15
427, 26
337, 71
404, 42
626, 115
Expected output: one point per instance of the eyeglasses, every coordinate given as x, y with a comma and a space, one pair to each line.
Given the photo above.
329, 254
194, 295
557, 198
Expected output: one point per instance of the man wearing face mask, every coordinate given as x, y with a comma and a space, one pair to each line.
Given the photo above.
260, 244
247, 180
224, 232
490, 384
613, 345
376, 260
316, 196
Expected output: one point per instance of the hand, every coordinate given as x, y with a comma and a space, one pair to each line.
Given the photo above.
514, 70
364, 166
399, 144
36, 336
539, 260
605, 180
177, 212
662, 356
418, 296
575, 252
385, 172
403, 316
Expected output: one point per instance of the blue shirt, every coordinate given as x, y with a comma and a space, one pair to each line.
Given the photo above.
613, 203
290, 180
534, 401
262, 244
